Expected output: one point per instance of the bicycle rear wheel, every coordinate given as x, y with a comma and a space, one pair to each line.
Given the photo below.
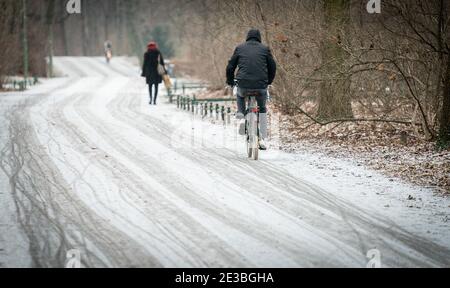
252, 131
255, 154
250, 152
249, 148
253, 147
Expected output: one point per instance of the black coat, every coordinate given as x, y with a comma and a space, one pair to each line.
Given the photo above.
150, 67
257, 68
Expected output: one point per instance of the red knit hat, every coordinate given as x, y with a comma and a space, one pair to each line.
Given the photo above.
152, 46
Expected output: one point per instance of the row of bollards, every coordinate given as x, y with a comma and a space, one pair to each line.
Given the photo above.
205, 108
220, 111
21, 85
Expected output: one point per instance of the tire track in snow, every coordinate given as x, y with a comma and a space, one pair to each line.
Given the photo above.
129, 206
230, 187
353, 215
105, 132
71, 132
68, 216
93, 120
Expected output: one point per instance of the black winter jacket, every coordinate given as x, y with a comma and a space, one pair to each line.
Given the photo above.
150, 67
257, 68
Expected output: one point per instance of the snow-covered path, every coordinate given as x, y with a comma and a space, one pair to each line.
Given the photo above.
95, 168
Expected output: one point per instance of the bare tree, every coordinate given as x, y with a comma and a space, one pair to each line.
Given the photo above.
335, 99
336, 62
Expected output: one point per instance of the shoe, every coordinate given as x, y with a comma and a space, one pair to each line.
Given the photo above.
262, 145
242, 128
240, 116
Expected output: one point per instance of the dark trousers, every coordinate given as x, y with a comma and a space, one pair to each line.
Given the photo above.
261, 100
150, 88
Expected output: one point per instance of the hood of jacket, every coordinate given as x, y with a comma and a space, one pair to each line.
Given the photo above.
254, 34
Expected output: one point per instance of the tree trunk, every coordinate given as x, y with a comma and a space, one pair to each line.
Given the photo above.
85, 28
334, 99
135, 42
106, 11
50, 23
444, 41
63, 29
119, 22
444, 123
25, 41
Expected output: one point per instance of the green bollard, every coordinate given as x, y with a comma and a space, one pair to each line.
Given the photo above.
217, 112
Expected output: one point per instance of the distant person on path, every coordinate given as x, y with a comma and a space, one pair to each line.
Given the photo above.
153, 70
257, 70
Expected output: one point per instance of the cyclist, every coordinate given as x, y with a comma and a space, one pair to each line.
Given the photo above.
257, 70
108, 50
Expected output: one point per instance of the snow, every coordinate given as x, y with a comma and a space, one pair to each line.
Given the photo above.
180, 191
13, 242
342, 178
371, 190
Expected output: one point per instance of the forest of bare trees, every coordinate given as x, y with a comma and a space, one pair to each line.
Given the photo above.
337, 62
350, 65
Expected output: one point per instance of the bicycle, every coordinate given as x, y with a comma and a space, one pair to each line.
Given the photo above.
251, 128
252, 125
108, 51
